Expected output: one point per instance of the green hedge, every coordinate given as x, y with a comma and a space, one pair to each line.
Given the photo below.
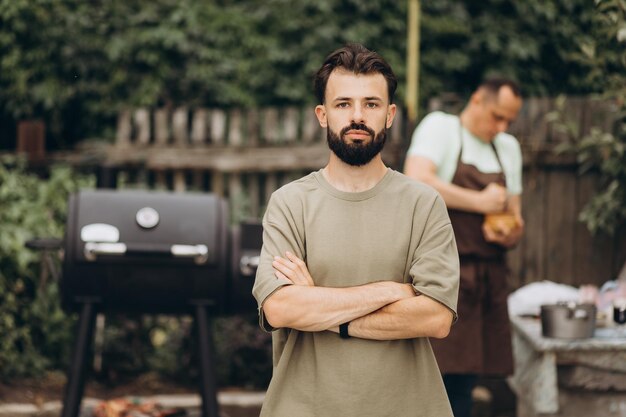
36, 334
86, 61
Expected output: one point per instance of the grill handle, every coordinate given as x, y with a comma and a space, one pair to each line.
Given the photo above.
93, 249
199, 253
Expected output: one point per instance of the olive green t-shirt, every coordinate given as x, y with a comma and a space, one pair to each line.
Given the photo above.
398, 230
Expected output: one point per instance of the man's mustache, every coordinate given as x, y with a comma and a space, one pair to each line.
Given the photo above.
357, 126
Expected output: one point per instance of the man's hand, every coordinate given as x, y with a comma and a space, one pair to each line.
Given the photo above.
292, 268
505, 236
493, 198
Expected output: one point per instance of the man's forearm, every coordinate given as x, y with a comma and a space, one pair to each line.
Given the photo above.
321, 308
456, 197
405, 319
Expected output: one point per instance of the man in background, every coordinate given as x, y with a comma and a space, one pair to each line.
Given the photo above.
477, 169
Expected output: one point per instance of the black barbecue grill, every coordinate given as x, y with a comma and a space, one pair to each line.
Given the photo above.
154, 252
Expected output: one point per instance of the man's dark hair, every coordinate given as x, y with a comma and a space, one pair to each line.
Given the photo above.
493, 85
358, 59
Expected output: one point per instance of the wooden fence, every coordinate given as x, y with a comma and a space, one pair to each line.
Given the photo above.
245, 155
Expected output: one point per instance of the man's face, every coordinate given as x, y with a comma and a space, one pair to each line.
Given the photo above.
494, 114
356, 113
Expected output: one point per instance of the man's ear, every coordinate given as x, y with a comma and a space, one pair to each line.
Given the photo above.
391, 113
320, 112
478, 97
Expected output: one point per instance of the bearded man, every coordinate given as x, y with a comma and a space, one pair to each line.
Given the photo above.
359, 266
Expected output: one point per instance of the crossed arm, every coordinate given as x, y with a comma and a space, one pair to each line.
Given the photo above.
384, 310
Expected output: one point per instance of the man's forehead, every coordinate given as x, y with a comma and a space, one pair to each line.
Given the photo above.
506, 103
344, 83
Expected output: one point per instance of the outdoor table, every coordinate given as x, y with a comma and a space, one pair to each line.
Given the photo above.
559, 377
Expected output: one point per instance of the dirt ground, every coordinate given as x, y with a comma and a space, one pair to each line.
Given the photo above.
51, 387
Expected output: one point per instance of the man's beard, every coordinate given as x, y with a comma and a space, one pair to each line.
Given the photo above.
356, 153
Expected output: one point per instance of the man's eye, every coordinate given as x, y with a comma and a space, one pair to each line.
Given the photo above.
342, 105
371, 105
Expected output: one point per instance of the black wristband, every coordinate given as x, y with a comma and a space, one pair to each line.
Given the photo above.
343, 330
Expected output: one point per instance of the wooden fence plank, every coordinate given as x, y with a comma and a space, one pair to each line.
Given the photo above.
619, 252
199, 127
271, 125
180, 126
592, 254
241, 160
142, 126
254, 193
161, 127
561, 215
218, 126
160, 180
291, 121
198, 179
124, 128
271, 185
537, 112
533, 209
217, 183
235, 128
252, 127
180, 182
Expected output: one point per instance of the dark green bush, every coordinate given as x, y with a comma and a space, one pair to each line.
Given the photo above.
36, 334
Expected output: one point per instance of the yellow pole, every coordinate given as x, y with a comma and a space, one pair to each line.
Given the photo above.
413, 57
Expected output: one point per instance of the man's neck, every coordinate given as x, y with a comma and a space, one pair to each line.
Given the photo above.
467, 121
353, 179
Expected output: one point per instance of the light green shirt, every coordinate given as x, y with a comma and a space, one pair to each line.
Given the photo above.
399, 230
438, 138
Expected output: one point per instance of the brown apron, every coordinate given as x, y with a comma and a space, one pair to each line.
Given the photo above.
480, 341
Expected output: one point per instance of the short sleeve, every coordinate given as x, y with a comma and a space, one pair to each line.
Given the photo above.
280, 233
435, 265
430, 139
510, 154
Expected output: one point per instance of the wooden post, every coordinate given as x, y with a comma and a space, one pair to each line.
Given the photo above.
412, 61
271, 132
235, 131
161, 127
290, 123
218, 126
199, 127
180, 125
31, 139
180, 184
252, 127
124, 128
142, 122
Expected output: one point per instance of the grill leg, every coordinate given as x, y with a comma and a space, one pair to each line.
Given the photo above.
76, 377
207, 372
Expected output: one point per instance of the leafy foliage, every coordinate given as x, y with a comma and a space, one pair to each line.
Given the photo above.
602, 149
35, 332
87, 60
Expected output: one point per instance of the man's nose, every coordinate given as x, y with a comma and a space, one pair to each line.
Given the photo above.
357, 115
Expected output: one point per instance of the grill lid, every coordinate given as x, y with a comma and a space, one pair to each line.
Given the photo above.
113, 225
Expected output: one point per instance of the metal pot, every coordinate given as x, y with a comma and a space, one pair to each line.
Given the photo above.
568, 320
